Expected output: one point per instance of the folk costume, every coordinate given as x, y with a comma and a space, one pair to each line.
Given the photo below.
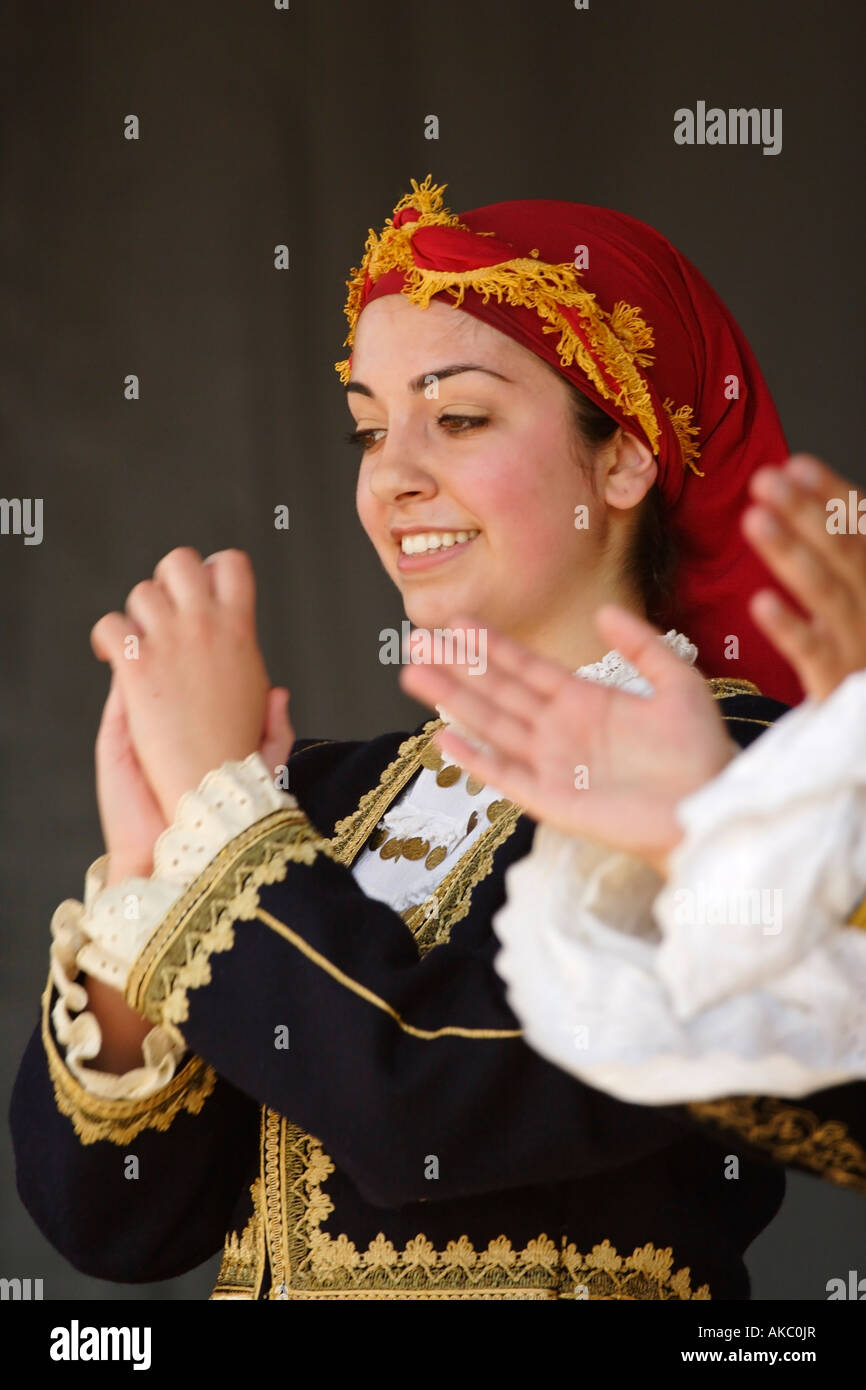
335, 1085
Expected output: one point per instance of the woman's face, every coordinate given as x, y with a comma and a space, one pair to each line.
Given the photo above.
469, 480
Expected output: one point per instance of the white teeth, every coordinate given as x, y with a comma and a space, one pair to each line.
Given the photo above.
423, 541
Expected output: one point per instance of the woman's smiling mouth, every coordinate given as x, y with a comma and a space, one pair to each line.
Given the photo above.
421, 550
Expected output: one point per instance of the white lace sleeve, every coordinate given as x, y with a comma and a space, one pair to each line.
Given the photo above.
738, 975
103, 935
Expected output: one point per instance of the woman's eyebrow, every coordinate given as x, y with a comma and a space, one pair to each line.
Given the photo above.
419, 383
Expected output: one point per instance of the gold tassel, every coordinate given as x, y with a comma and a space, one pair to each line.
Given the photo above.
682, 422
630, 327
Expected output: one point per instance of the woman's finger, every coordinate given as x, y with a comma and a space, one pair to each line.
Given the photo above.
501, 674
810, 651
806, 513
232, 578
148, 605
113, 723
495, 768
185, 577
639, 642
468, 702
801, 568
541, 676
109, 638
278, 737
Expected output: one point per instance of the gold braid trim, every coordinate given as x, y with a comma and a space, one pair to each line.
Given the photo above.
201, 923
316, 1265
791, 1135
431, 926
448, 1030
120, 1121
243, 1259
352, 832
453, 897
618, 342
723, 686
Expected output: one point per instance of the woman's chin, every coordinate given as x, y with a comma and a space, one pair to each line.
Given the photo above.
440, 613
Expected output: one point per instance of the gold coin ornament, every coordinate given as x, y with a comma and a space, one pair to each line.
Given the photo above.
416, 848
473, 821
474, 785
497, 809
435, 857
448, 776
432, 758
392, 849
378, 837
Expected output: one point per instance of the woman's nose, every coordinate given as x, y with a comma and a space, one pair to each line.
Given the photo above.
400, 469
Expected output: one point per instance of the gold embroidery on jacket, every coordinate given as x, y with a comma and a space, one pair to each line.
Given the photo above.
243, 1259
432, 920
201, 923
723, 686
309, 1263
120, 1121
306, 1262
352, 832
791, 1134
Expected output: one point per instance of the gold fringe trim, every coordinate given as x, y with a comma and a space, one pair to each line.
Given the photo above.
791, 1135
120, 1121
685, 431
619, 340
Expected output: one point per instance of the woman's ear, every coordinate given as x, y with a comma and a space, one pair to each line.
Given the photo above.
629, 470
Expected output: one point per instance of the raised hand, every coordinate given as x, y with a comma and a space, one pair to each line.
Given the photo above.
186, 659
589, 759
801, 526
129, 812
131, 817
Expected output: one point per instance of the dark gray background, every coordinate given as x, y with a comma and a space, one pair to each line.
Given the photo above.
260, 127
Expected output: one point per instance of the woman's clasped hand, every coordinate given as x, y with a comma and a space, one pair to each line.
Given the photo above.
189, 692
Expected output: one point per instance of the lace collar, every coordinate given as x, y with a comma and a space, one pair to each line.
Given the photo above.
613, 669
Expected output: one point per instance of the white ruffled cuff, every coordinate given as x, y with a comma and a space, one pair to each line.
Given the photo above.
668, 997
77, 1030
104, 935
773, 857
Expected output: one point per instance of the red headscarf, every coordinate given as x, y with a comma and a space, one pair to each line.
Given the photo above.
615, 308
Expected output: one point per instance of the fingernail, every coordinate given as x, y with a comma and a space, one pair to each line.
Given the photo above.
805, 470
780, 488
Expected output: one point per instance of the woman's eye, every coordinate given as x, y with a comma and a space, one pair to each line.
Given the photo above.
465, 420
362, 438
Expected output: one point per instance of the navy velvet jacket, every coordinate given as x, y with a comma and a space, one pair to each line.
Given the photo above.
403, 1141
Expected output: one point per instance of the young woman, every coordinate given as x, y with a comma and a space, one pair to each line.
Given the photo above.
285, 1004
